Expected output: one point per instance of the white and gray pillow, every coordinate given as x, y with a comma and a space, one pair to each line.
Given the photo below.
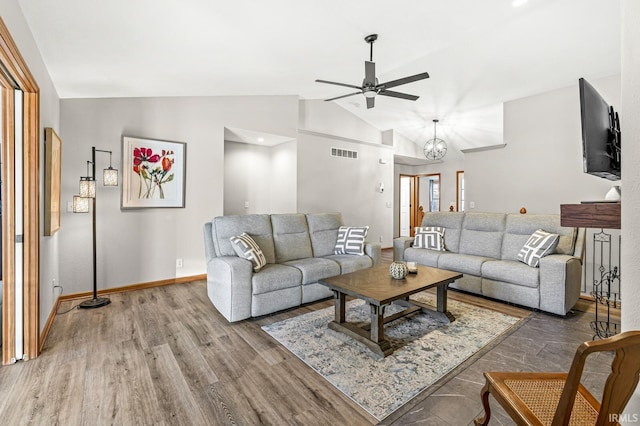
247, 248
351, 240
539, 245
429, 237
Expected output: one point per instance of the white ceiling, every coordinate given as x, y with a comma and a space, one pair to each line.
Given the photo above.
479, 54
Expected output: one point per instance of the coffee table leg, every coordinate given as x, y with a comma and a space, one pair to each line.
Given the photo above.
339, 300
377, 323
442, 301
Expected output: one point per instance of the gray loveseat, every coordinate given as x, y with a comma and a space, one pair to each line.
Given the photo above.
484, 247
299, 251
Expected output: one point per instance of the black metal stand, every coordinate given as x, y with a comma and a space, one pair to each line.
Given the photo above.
604, 292
95, 302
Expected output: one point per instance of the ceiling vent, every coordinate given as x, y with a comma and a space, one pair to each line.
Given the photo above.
345, 153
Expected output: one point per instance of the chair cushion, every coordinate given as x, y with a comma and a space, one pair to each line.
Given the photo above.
349, 263
510, 271
290, 237
275, 277
452, 221
323, 230
315, 268
424, 257
256, 225
465, 263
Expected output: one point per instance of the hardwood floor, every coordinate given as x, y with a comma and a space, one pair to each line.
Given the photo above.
164, 355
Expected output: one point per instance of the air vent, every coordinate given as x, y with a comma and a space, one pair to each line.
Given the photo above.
345, 153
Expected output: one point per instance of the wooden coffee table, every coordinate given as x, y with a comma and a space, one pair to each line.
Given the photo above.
376, 287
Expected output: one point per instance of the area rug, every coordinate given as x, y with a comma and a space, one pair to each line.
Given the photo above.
425, 350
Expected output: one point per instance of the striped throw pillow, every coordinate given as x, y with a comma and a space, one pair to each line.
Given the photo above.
429, 237
539, 244
246, 248
351, 240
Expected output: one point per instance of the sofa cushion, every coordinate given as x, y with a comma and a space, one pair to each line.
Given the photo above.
511, 271
290, 237
349, 263
465, 263
323, 231
256, 225
424, 257
429, 237
482, 234
539, 245
247, 248
452, 222
519, 228
351, 240
275, 277
315, 268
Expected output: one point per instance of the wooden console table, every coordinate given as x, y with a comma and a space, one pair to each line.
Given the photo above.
598, 216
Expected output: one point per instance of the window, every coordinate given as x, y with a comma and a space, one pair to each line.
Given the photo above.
460, 190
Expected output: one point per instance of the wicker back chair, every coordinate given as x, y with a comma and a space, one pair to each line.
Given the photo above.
559, 398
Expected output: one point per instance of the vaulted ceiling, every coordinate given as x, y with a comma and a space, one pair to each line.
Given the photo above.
479, 54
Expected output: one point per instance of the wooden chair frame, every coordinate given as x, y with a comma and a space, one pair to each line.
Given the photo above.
619, 386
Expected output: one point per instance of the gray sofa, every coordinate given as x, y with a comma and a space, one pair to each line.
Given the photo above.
299, 251
484, 247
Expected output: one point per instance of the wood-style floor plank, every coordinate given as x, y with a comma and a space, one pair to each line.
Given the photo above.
165, 356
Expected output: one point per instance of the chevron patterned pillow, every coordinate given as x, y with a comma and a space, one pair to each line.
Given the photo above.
247, 248
351, 240
429, 237
539, 244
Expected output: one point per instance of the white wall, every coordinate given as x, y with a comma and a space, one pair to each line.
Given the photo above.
49, 117
630, 127
541, 166
263, 176
137, 246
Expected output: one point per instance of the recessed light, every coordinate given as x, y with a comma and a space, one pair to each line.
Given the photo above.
260, 139
518, 3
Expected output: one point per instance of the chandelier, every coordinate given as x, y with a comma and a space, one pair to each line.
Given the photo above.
435, 148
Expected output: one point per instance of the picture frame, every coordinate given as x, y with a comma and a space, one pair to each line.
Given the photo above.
52, 181
153, 173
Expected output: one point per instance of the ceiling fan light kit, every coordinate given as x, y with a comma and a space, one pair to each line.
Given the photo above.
435, 148
370, 87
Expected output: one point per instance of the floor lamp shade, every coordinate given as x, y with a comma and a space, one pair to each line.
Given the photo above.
87, 187
110, 177
80, 204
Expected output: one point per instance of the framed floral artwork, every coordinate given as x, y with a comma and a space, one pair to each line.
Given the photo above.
153, 173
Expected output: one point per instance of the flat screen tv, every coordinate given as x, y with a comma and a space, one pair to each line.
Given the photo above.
601, 140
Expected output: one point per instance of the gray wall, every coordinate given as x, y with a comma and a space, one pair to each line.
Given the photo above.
137, 246
49, 117
541, 165
265, 177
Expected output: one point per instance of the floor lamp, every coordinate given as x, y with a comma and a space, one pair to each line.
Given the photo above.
81, 205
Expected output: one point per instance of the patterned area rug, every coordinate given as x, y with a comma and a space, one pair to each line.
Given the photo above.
426, 349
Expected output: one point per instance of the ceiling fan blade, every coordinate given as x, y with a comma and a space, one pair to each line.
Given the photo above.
339, 84
405, 80
343, 96
371, 102
398, 95
369, 73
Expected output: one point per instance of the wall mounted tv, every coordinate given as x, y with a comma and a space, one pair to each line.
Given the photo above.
601, 140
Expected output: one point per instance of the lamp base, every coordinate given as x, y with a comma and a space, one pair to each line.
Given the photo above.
94, 303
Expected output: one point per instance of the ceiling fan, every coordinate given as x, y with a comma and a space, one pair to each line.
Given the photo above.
370, 86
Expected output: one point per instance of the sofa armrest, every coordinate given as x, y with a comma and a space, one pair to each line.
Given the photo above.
229, 286
560, 283
400, 244
373, 250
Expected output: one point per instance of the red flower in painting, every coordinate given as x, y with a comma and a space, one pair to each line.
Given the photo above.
152, 175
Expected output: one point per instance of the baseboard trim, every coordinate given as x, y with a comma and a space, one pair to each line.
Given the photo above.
86, 294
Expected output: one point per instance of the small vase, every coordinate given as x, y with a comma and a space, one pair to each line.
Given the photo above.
398, 270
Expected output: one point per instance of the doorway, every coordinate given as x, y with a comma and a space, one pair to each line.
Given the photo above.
418, 194
20, 190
